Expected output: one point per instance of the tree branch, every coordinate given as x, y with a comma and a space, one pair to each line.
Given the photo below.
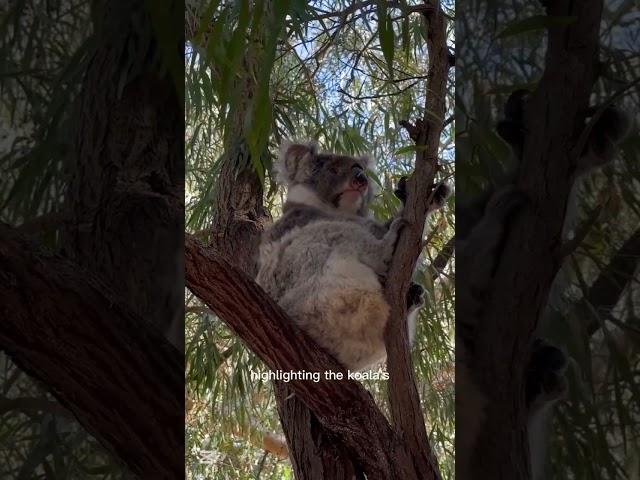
379, 95
110, 368
405, 405
343, 407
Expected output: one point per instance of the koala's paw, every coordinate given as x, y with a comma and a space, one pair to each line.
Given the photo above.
401, 190
546, 381
415, 296
439, 195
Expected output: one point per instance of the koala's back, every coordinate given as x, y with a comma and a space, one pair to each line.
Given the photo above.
321, 271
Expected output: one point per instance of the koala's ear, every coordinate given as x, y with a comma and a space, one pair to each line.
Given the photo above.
295, 162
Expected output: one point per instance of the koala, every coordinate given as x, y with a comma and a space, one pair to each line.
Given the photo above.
325, 260
481, 228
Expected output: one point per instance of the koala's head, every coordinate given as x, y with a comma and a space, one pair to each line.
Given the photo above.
324, 179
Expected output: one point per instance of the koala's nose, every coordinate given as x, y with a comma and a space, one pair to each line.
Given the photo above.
359, 180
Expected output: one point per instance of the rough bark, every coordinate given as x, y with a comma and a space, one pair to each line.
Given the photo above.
522, 281
406, 411
442, 259
343, 408
314, 453
102, 361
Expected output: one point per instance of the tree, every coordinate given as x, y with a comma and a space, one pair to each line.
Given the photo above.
223, 45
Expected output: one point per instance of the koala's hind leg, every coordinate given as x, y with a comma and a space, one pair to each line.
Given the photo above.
415, 301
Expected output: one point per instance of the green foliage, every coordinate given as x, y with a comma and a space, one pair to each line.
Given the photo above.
336, 75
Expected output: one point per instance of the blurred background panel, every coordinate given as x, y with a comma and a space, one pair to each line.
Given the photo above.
568, 269
91, 239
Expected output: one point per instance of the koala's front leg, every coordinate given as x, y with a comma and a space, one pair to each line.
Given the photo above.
378, 254
415, 301
378, 230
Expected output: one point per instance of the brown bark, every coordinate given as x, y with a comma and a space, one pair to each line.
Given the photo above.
442, 259
344, 408
522, 281
103, 362
314, 453
408, 419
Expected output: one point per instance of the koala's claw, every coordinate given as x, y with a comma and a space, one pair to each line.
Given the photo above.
439, 195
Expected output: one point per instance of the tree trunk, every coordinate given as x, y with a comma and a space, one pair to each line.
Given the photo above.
314, 453
404, 401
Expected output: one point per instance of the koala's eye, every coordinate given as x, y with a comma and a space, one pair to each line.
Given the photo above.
356, 166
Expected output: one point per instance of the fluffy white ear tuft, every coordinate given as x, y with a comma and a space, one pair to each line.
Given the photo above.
294, 161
